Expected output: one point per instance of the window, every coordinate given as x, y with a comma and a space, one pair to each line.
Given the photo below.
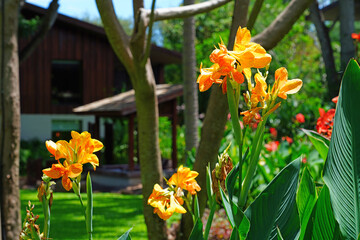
61, 129
66, 82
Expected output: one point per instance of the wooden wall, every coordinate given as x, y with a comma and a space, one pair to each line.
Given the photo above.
66, 43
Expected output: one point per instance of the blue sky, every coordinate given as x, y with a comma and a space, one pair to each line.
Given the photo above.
87, 8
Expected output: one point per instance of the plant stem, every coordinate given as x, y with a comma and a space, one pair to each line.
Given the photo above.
210, 218
255, 152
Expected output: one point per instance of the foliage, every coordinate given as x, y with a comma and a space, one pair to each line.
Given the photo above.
28, 27
32, 150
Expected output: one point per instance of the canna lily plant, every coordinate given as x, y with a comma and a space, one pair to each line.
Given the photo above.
289, 207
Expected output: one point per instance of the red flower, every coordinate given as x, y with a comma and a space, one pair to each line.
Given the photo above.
325, 122
272, 146
273, 132
335, 99
304, 160
355, 36
288, 139
300, 118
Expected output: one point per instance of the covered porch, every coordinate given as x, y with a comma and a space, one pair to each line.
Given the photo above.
123, 106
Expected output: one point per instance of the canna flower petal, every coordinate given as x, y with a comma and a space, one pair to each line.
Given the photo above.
55, 172
74, 170
51, 147
283, 86
66, 182
185, 179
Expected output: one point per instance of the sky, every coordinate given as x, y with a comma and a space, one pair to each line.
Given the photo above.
87, 8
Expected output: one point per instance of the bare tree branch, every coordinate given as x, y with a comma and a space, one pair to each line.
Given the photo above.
47, 22
148, 40
185, 11
254, 13
118, 39
273, 34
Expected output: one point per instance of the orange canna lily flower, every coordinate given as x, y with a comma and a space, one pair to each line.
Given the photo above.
283, 86
185, 179
249, 54
65, 171
251, 116
258, 93
165, 203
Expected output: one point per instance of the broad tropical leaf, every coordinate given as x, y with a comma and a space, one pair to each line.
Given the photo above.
305, 199
322, 225
342, 168
276, 207
320, 143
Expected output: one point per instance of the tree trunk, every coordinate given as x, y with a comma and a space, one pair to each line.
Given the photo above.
347, 20
10, 122
326, 50
191, 112
149, 152
190, 86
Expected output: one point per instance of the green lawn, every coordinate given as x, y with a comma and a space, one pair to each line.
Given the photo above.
114, 214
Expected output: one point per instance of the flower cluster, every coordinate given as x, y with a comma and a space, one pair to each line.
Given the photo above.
78, 151
231, 65
169, 200
325, 122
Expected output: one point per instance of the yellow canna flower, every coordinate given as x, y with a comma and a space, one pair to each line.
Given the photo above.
283, 86
249, 54
65, 171
185, 179
258, 93
165, 203
78, 151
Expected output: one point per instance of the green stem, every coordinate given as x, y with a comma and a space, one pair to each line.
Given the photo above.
89, 206
210, 219
46, 211
188, 205
254, 157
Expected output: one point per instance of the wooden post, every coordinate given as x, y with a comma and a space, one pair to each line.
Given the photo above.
109, 143
131, 142
174, 134
97, 127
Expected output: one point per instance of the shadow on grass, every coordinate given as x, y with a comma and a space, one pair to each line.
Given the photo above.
114, 214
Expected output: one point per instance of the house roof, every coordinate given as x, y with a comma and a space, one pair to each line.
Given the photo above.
123, 104
158, 55
331, 11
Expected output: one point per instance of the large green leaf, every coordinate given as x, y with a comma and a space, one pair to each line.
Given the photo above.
342, 168
196, 233
322, 225
305, 199
320, 143
276, 207
125, 236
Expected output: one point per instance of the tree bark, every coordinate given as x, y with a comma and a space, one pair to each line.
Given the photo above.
47, 22
322, 31
10, 121
215, 119
347, 19
190, 86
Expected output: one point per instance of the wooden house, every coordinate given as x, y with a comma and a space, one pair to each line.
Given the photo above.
74, 66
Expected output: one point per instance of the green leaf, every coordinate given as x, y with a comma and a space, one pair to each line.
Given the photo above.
276, 206
125, 236
279, 236
89, 205
209, 182
196, 207
235, 234
320, 143
305, 199
231, 180
236, 217
196, 233
322, 225
342, 167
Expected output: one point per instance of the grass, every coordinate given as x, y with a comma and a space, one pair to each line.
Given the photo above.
114, 214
